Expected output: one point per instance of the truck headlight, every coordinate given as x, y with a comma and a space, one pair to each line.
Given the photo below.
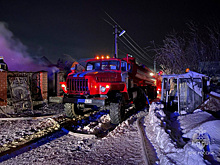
103, 89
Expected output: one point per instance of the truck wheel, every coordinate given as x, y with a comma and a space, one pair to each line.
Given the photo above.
140, 101
71, 110
117, 111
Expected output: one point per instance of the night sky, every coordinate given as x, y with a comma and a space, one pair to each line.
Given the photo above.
75, 27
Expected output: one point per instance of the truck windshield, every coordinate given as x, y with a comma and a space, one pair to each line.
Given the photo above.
103, 65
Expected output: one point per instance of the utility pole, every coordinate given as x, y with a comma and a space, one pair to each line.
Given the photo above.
117, 34
116, 42
155, 69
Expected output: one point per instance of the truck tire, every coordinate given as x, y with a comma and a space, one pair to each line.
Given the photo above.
71, 110
117, 111
140, 101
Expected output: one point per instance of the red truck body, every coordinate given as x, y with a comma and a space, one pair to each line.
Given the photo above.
108, 81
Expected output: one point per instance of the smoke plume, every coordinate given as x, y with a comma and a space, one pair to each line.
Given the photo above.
15, 52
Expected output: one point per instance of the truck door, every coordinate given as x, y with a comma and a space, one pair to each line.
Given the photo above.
124, 73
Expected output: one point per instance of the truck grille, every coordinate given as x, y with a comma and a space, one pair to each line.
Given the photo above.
78, 85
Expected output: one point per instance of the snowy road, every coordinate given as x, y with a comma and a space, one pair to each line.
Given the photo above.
124, 145
140, 139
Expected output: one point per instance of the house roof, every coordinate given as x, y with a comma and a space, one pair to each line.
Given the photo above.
190, 74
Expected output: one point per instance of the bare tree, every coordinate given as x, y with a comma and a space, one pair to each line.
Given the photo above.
186, 50
171, 55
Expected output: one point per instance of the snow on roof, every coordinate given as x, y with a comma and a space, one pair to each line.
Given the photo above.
215, 94
190, 74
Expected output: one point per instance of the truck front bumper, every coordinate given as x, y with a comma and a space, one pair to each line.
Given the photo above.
90, 101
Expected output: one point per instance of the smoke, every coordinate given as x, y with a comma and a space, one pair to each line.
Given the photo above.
15, 52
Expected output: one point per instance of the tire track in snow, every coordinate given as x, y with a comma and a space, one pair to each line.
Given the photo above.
149, 151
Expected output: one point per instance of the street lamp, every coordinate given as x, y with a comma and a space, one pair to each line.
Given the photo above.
123, 31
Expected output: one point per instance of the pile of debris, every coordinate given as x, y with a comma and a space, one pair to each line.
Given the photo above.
43, 110
212, 105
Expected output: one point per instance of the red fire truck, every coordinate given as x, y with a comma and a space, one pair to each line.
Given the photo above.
108, 83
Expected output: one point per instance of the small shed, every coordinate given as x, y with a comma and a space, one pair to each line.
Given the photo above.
184, 92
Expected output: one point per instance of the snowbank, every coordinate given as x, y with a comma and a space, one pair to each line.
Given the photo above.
190, 121
203, 122
166, 149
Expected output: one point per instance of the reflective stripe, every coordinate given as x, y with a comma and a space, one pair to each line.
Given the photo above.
75, 75
84, 73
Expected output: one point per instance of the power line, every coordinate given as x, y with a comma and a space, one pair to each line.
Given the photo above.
135, 53
128, 47
139, 47
140, 54
112, 19
108, 22
130, 39
122, 51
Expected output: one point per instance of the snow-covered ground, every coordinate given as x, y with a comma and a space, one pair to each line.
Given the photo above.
15, 129
124, 145
43, 110
190, 124
121, 146
203, 123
